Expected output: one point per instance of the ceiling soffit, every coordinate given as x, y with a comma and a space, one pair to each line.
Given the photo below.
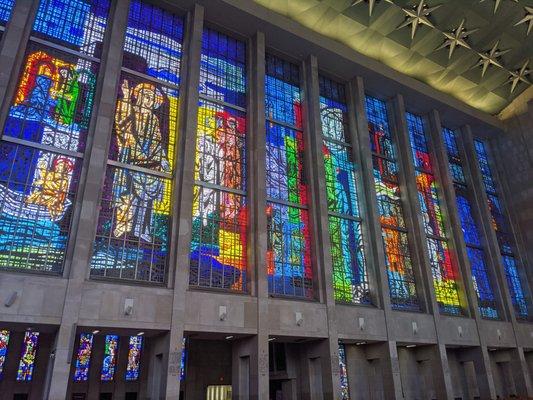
479, 51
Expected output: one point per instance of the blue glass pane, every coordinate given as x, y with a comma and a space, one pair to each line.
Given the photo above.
381, 141
153, 43
481, 282
515, 286
6, 7
468, 225
78, 24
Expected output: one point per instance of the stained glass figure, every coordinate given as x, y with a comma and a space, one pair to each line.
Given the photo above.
345, 388
471, 234
134, 358
4, 343
132, 235
443, 267
350, 278
83, 358
500, 222
27, 358
219, 246
288, 252
77, 24
109, 363
6, 7
401, 277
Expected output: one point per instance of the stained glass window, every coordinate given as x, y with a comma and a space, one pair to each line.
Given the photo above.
6, 7
27, 357
83, 358
401, 277
77, 24
471, 234
132, 234
443, 268
345, 388
183, 362
500, 222
109, 363
4, 343
288, 252
134, 358
219, 246
350, 278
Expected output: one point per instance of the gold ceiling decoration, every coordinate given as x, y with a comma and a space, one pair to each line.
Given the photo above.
528, 18
447, 41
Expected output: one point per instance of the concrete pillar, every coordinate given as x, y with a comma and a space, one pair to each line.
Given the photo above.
319, 221
12, 52
94, 172
257, 200
183, 196
414, 218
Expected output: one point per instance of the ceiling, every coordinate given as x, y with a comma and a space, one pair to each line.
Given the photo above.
479, 51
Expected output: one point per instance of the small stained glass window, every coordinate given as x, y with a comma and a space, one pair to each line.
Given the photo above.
27, 357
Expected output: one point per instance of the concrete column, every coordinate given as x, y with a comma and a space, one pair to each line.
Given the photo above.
368, 200
452, 222
94, 172
12, 52
319, 221
183, 196
414, 218
257, 200
411, 208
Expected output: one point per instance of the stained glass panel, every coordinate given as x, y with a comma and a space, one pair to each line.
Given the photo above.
350, 279
419, 142
37, 194
218, 244
183, 362
515, 286
482, 286
4, 343
109, 363
381, 142
223, 68
288, 251
6, 7
132, 231
54, 100
77, 24
484, 166
134, 358
153, 44
220, 146
333, 115
402, 285
27, 358
345, 388
430, 204
83, 358
284, 165
388, 192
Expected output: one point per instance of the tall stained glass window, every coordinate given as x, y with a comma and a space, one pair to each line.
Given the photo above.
501, 225
132, 233
134, 358
183, 362
288, 253
4, 343
443, 266
109, 364
83, 358
345, 388
350, 278
218, 246
27, 357
45, 133
401, 277
471, 233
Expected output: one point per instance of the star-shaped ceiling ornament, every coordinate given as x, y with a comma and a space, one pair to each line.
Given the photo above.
528, 18
371, 4
456, 38
491, 58
520, 75
418, 15
497, 4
